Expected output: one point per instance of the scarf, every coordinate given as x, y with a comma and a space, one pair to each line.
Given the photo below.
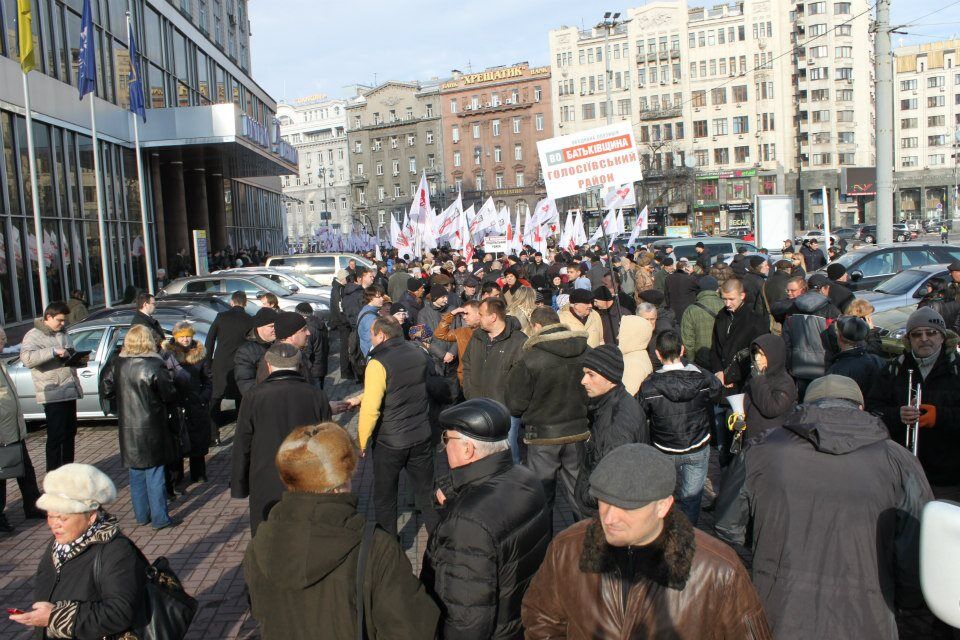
925, 365
103, 529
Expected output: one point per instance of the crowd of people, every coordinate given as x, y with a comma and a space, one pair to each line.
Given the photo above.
492, 383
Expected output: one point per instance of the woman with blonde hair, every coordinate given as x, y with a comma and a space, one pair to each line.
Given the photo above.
194, 380
522, 305
142, 385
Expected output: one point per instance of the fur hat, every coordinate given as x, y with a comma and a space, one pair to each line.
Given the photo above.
76, 488
316, 459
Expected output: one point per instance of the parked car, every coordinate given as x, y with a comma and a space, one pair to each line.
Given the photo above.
720, 248
100, 335
933, 226
322, 267
289, 277
621, 240
901, 233
815, 234
216, 301
844, 233
904, 288
744, 233
227, 283
869, 266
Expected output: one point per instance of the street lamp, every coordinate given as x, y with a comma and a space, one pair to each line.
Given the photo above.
321, 174
610, 22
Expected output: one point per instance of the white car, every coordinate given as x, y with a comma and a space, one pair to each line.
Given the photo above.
322, 267
815, 234
288, 277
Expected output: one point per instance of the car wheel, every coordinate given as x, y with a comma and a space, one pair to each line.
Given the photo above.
900, 238
869, 239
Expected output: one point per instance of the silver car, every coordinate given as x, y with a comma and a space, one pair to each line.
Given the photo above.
904, 288
295, 281
322, 267
100, 336
250, 284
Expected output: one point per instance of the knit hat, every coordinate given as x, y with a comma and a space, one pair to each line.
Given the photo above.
397, 307
667, 262
304, 307
632, 476
581, 296
708, 283
653, 296
471, 281
316, 459
607, 360
602, 294
76, 488
833, 386
264, 317
288, 323
699, 245
414, 284
756, 261
926, 317
835, 270
817, 281
853, 328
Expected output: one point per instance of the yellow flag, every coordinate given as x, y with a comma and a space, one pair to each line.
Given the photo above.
28, 61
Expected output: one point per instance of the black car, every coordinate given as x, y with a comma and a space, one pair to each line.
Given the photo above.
869, 266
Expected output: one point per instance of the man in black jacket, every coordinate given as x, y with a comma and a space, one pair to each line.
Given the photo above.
146, 306
681, 288
338, 322
270, 411
495, 530
317, 349
544, 391
853, 360
614, 416
833, 468
678, 402
813, 258
412, 300
227, 333
838, 293
259, 338
703, 258
735, 328
352, 295
754, 280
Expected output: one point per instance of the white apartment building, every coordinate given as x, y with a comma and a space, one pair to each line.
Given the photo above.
316, 127
927, 130
710, 94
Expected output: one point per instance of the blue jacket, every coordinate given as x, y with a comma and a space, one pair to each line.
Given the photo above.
366, 317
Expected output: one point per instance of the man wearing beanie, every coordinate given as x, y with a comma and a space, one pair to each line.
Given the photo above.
443, 352
579, 315
261, 335
854, 361
838, 293
936, 368
754, 281
609, 312
270, 411
316, 531
290, 328
614, 416
640, 569
833, 468
667, 267
494, 532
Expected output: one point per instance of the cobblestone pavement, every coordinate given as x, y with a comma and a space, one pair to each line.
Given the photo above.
206, 551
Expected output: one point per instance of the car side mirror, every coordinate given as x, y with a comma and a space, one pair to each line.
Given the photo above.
293, 288
856, 276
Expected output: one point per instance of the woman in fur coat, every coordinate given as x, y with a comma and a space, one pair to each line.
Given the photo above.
194, 380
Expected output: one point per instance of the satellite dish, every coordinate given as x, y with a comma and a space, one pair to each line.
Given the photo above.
690, 162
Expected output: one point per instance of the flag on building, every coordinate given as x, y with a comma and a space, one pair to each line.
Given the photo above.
87, 60
134, 82
28, 57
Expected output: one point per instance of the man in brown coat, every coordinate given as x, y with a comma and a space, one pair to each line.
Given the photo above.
640, 569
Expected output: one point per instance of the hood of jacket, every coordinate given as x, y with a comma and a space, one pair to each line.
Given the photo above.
194, 353
704, 297
558, 340
810, 302
635, 334
677, 385
835, 426
306, 538
775, 349
349, 288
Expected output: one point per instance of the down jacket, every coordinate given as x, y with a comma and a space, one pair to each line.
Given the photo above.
543, 387
53, 381
635, 334
194, 381
805, 324
247, 361
696, 327
486, 549
678, 403
593, 325
486, 362
144, 391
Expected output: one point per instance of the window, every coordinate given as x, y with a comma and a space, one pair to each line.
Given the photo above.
498, 180
818, 52
909, 143
394, 142
740, 93
718, 95
844, 95
397, 193
936, 101
411, 140
453, 105
936, 141
495, 124
844, 73
589, 111
428, 111
396, 167
519, 179
476, 131
413, 189
741, 154
456, 158
497, 154
538, 121
817, 29
455, 133
908, 123
845, 116
819, 95
877, 264
429, 137
358, 146
741, 124
379, 168
816, 8
841, 8
936, 121
518, 152
843, 52
359, 168
412, 164
537, 93
479, 182
719, 126
908, 85
936, 159
908, 104
516, 121
702, 157
908, 161
700, 129
846, 137
381, 193
721, 156
843, 30
821, 116
477, 152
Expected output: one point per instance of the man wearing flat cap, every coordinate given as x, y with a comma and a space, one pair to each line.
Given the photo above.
953, 289
639, 569
494, 532
579, 315
936, 367
836, 519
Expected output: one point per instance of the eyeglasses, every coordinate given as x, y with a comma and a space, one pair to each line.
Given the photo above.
446, 438
921, 333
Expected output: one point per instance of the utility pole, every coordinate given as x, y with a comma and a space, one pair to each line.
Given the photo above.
883, 71
610, 22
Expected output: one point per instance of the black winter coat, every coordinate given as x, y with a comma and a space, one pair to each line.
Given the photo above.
352, 302
194, 383
771, 395
317, 350
486, 362
543, 387
678, 405
813, 259
680, 290
490, 542
140, 318
836, 507
859, 364
666, 321
413, 306
776, 286
753, 286
106, 609
730, 347
615, 419
145, 393
938, 446
227, 333
839, 295
247, 360
337, 318
268, 413
810, 346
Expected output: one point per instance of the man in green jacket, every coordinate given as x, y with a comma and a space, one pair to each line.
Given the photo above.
696, 326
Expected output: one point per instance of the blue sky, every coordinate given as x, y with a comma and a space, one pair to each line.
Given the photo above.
301, 47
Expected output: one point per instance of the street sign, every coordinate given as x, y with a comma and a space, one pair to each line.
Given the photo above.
939, 207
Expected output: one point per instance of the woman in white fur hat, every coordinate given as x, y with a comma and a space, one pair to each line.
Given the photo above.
71, 601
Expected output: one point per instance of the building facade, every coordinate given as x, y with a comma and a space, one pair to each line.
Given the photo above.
492, 121
319, 193
720, 113
927, 130
393, 137
210, 162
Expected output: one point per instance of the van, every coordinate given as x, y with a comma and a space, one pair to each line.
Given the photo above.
687, 247
322, 267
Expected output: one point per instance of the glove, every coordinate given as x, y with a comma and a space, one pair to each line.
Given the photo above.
928, 416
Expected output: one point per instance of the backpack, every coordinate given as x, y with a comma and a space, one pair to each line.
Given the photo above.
358, 361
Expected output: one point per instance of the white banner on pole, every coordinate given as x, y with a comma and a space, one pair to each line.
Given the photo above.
606, 157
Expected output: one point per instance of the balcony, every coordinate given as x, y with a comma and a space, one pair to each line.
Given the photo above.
469, 112
359, 178
660, 114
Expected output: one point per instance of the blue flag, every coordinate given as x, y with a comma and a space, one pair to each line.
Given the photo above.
134, 82
87, 70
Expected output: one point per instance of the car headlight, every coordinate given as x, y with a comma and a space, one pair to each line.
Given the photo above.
898, 334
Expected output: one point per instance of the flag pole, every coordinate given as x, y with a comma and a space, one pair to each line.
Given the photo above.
35, 197
147, 251
101, 223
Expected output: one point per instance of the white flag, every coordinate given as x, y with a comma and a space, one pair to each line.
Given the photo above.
618, 197
579, 236
448, 222
641, 225
486, 218
546, 213
517, 236
567, 231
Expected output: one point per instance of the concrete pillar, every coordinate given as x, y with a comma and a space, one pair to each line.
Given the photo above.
175, 207
218, 211
195, 189
156, 192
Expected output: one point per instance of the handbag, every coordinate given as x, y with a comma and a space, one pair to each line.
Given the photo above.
167, 610
11, 460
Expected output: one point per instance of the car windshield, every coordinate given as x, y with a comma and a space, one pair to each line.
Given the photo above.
267, 284
902, 283
302, 280
848, 259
